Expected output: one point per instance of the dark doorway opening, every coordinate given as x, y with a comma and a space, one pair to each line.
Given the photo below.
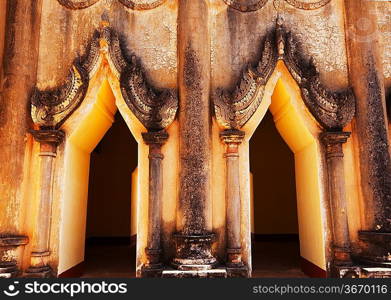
110, 246
276, 247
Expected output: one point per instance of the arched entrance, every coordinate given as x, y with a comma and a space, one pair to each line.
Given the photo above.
111, 228
300, 132
89, 181
275, 233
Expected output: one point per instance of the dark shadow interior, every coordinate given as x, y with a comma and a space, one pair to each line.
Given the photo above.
110, 246
276, 248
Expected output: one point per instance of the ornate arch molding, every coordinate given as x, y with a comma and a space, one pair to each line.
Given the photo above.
333, 110
142, 5
247, 5
77, 4
308, 5
133, 4
253, 5
154, 108
233, 108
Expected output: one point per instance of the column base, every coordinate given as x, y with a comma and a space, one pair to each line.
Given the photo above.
345, 271
152, 271
193, 252
360, 272
8, 270
239, 271
375, 272
38, 272
154, 267
378, 252
214, 273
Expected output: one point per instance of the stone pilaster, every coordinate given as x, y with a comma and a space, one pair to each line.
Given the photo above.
371, 125
232, 139
49, 140
155, 141
333, 142
9, 246
18, 76
193, 242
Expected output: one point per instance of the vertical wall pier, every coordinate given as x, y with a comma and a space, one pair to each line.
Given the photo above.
194, 239
18, 77
367, 79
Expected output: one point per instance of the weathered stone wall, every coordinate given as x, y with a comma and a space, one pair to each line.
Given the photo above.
18, 78
383, 14
237, 36
43, 37
149, 34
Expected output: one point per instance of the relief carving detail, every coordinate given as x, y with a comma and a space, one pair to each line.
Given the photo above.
333, 110
154, 108
75, 4
246, 5
308, 5
234, 108
133, 4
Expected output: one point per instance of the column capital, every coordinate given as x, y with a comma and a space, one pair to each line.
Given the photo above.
332, 138
157, 138
48, 136
333, 142
230, 136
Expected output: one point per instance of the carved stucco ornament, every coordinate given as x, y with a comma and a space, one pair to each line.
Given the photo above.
253, 5
333, 110
77, 4
308, 5
246, 5
155, 109
142, 5
133, 4
234, 108
50, 108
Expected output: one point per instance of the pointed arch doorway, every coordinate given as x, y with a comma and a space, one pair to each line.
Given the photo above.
289, 203
275, 232
99, 179
111, 230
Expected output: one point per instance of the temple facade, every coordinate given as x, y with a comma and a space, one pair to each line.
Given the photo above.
192, 81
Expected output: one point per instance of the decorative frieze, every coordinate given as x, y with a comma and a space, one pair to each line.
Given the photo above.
247, 5
253, 5
133, 4
142, 4
77, 4
308, 5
